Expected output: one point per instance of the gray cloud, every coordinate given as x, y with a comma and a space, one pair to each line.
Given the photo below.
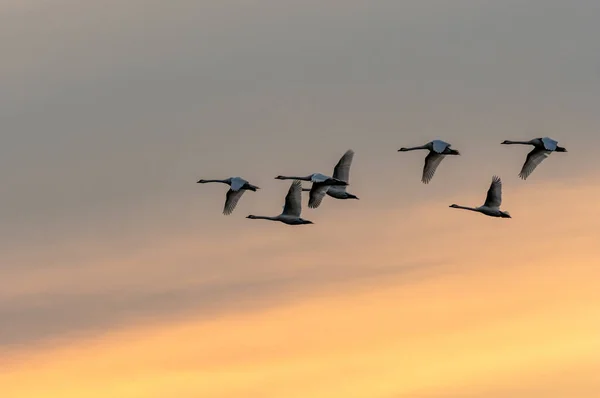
57, 315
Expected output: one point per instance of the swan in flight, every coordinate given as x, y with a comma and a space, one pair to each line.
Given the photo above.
341, 172
438, 150
543, 147
238, 187
291, 208
491, 207
320, 183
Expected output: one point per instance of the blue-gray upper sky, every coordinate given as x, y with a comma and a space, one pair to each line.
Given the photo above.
111, 110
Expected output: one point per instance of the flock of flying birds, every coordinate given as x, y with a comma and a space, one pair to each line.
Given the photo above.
335, 186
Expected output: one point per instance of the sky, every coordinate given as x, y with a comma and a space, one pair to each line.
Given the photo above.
119, 276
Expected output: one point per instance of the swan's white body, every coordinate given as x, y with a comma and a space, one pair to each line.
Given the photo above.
291, 209
543, 147
237, 188
438, 150
341, 172
493, 200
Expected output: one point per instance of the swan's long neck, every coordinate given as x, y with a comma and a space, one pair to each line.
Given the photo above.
265, 218
414, 148
465, 208
205, 181
295, 178
508, 142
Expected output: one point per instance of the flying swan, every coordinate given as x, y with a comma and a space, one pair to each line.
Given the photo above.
291, 208
438, 150
491, 207
341, 172
238, 187
543, 147
320, 183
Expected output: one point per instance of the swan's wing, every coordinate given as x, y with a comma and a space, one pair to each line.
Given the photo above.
232, 199
432, 161
342, 168
317, 193
439, 146
237, 183
534, 158
549, 143
293, 200
494, 194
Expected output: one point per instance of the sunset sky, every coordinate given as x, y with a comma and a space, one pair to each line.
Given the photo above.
120, 277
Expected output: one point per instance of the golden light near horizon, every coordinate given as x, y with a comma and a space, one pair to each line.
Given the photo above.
426, 338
